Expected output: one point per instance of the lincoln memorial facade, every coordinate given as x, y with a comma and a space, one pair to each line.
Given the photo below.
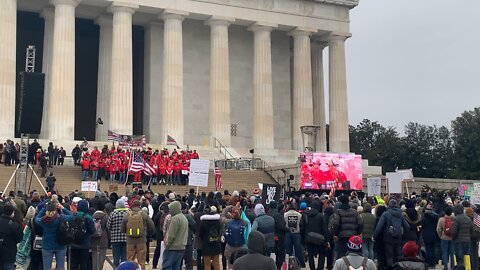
246, 72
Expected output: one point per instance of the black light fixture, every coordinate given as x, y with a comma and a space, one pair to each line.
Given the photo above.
252, 151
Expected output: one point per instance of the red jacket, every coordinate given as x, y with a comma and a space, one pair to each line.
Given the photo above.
85, 164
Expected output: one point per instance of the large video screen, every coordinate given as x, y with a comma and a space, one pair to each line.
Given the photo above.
322, 170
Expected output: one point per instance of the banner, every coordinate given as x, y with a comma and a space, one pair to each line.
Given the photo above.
270, 193
127, 141
199, 170
374, 186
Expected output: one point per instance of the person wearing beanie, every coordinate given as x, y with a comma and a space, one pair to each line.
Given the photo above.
354, 258
48, 219
461, 233
82, 250
410, 261
137, 237
313, 222
118, 238
266, 225
346, 222
429, 235
210, 232
390, 228
10, 235
280, 230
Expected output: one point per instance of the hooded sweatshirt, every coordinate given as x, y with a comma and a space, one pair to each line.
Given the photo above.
255, 259
177, 234
264, 224
385, 220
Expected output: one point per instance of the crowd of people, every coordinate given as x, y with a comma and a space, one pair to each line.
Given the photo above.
113, 164
238, 231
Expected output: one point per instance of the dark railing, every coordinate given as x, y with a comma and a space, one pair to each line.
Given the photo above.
223, 150
241, 164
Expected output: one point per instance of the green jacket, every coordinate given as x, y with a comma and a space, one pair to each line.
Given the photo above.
178, 230
368, 221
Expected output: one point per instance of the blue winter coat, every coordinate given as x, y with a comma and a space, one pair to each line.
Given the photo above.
50, 230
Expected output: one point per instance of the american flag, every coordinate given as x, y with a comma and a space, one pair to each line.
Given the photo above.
85, 144
218, 177
113, 136
476, 219
139, 165
172, 141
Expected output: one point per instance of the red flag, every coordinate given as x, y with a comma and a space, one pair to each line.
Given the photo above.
218, 177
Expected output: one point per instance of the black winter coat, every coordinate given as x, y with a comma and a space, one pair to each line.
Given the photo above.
313, 221
280, 226
11, 234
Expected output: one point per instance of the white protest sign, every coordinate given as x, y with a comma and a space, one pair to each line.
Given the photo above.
394, 182
374, 186
199, 170
475, 197
476, 186
89, 186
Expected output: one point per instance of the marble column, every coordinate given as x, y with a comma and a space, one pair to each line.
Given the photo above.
319, 95
8, 45
61, 114
48, 15
219, 79
302, 109
338, 114
104, 76
172, 98
121, 88
152, 98
263, 137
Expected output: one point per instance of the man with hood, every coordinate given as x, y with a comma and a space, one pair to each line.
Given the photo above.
391, 227
346, 222
369, 221
461, 234
414, 220
354, 258
410, 261
175, 238
256, 258
136, 244
82, 250
266, 225
314, 222
280, 230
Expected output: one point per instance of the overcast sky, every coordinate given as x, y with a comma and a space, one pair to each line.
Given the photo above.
413, 60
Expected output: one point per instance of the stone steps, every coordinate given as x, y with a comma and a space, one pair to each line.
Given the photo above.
68, 180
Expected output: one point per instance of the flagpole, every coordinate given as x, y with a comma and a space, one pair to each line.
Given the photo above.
128, 171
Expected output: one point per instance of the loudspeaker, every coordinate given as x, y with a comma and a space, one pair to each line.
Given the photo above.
30, 102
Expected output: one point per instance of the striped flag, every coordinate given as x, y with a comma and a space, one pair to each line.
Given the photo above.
113, 136
172, 141
85, 144
218, 177
476, 220
139, 165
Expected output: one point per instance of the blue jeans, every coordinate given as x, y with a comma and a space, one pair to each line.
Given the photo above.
94, 175
122, 177
119, 250
59, 258
8, 266
447, 253
172, 259
367, 248
293, 242
461, 249
84, 175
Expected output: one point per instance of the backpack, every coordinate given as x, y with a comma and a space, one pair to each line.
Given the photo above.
135, 224
395, 228
447, 227
71, 232
213, 234
235, 233
98, 228
350, 267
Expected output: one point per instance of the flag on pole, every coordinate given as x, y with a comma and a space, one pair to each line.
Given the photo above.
85, 144
139, 165
172, 141
113, 136
218, 177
